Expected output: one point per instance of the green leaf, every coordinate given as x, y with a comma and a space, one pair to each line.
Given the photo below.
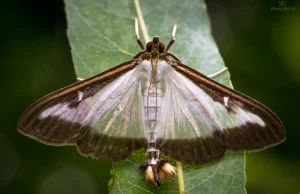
101, 34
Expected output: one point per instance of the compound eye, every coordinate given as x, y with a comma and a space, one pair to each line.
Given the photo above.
161, 47
149, 46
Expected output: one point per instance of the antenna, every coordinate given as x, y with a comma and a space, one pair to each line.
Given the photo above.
172, 37
136, 24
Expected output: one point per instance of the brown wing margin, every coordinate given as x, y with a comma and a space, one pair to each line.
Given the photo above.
250, 136
63, 132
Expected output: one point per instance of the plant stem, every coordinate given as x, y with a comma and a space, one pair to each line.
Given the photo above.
180, 178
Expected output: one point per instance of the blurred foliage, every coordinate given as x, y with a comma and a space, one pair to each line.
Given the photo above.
259, 46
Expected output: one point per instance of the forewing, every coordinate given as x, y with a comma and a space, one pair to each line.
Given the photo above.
204, 118
101, 115
186, 126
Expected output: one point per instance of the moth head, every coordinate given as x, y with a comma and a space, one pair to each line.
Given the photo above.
155, 46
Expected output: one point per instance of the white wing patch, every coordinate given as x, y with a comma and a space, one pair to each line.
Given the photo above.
115, 110
188, 112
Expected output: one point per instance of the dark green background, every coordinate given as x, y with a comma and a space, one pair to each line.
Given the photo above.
260, 47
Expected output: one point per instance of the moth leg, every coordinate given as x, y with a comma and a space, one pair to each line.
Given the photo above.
217, 73
172, 37
137, 33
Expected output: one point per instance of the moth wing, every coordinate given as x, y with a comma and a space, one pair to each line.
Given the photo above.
201, 118
101, 115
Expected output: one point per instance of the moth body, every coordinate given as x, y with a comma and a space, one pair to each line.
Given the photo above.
153, 96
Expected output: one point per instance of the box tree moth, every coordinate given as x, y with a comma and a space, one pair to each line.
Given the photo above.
156, 102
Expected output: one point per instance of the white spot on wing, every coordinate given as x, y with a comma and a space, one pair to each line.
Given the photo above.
226, 101
80, 95
49, 111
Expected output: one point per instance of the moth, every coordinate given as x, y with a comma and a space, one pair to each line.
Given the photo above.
156, 102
